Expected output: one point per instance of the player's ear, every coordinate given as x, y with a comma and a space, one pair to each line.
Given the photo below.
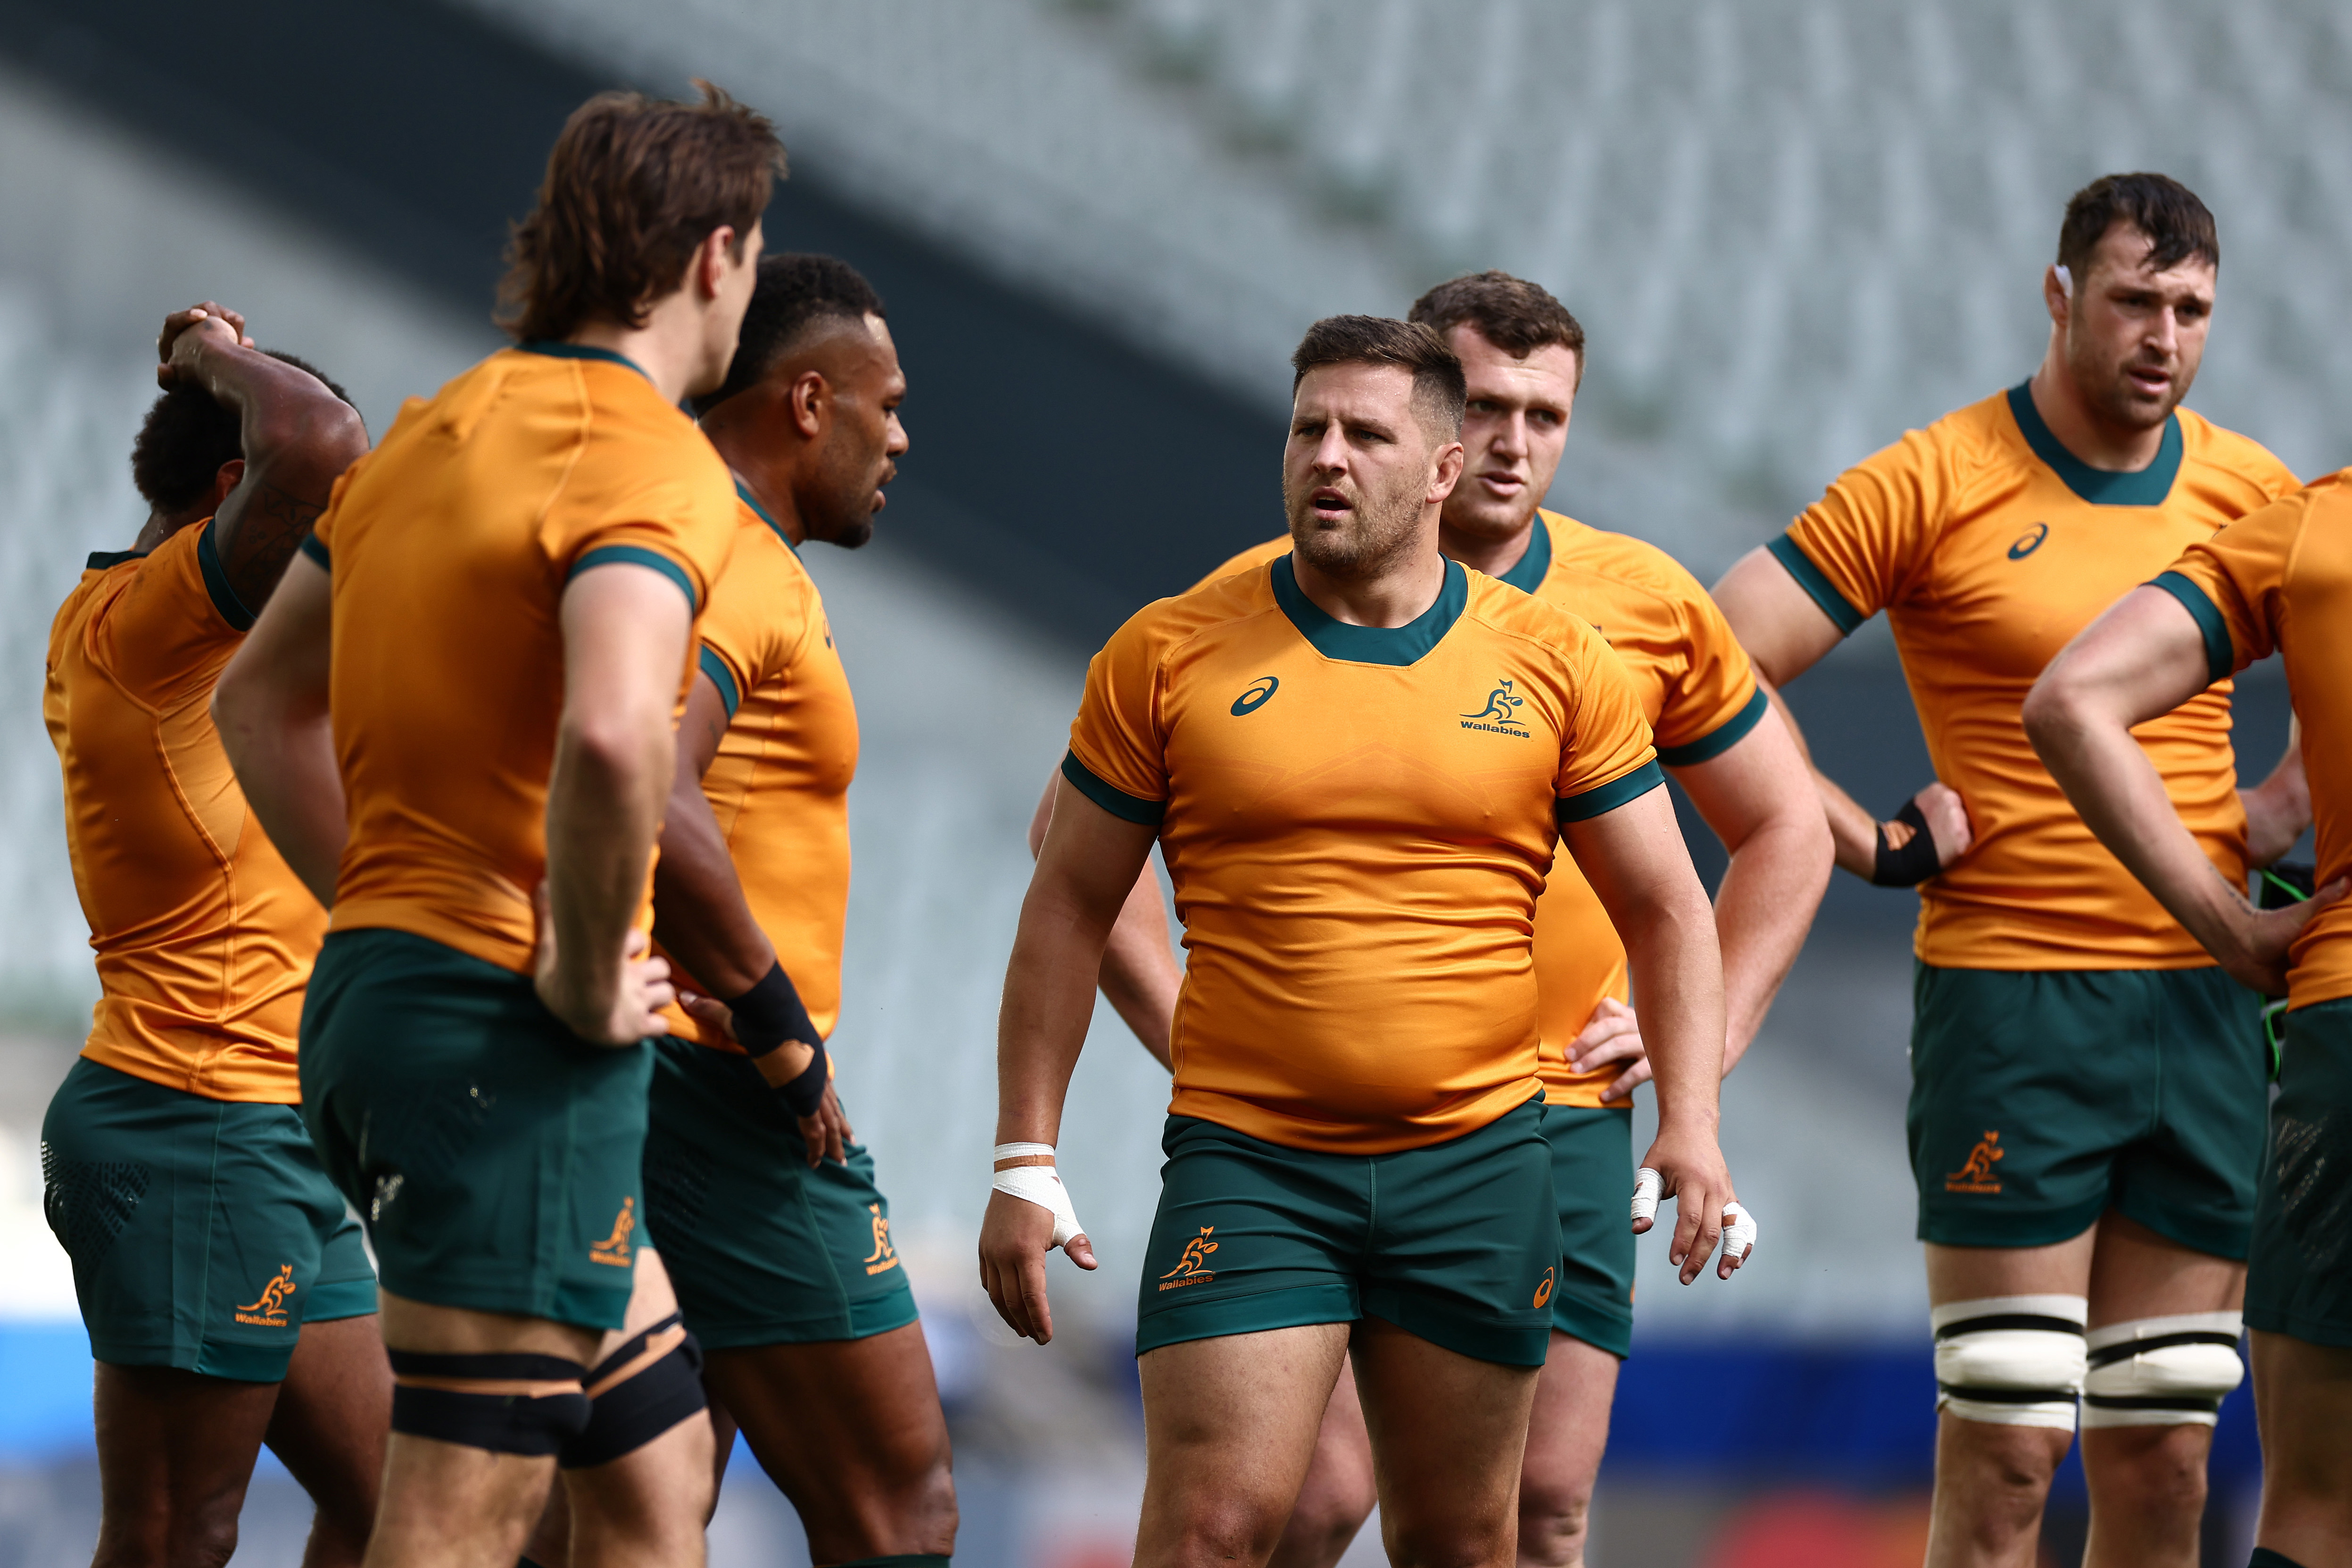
810, 395
711, 261
2058, 293
230, 475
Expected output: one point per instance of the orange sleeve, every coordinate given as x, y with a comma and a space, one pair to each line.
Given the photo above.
167, 635
751, 631
1606, 758
1117, 754
1857, 548
1715, 701
677, 514
2233, 583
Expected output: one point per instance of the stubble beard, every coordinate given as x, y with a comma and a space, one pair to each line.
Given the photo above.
2108, 388
1376, 531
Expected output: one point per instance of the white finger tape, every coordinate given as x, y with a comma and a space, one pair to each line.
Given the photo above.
1039, 1184
1738, 1231
1647, 1184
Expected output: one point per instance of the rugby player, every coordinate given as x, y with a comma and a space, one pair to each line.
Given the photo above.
1523, 356
476, 666
2273, 582
229, 1299
775, 1233
1356, 1158
2074, 1193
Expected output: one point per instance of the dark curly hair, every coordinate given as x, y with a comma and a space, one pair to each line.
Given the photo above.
186, 436
794, 292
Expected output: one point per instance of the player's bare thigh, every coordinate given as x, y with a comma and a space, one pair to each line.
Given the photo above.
1449, 1434
1339, 1491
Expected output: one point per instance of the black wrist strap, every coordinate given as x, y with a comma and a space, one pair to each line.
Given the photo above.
806, 1092
770, 1013
1915, 861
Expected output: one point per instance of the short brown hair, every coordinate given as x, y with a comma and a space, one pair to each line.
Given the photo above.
634, 186
2176, 224
1514, 315
1438, 390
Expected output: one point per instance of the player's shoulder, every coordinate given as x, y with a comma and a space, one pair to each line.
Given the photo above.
1257, 555
1166, 626
1974, 437
2218, 449
1625, 561
1504, 610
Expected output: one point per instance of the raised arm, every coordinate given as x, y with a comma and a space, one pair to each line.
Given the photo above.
1634, 859
270, 708
1085, 869
625, 635
1786, 632
297, 435
1140, 977
2145, 657
702, 919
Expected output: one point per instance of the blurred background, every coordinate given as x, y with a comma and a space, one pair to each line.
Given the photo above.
1792, 228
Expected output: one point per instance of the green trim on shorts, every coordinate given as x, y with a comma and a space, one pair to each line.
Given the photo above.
1591, 1180
203, 1233
1456, 1242
494, 1154
761, 1250
2299, 1275
2041, 1099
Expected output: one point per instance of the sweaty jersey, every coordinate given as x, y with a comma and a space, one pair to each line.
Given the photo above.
203, 936
1357, 822
450, 546
778, 784
2280, 581
1990, 545
1698, 693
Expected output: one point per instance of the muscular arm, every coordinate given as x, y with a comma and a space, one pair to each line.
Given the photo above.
1086, 869
625, 635
297, 436
1139, 976
1786, 633
2142, 659
1758, 796
1634, 859
699, 912
270, 708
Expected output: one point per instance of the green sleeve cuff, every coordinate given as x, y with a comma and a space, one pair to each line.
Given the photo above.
232, 608
1118, 802
637, 555
720, 676
2220, 655
1720, 739
1816, 583
317, 552
1608, 797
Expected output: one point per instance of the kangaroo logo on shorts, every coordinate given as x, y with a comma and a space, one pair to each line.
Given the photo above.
1976, 1176
1497, 718
1192, 1269
615, 1249
1543, 1291
268, 1310
884, 1257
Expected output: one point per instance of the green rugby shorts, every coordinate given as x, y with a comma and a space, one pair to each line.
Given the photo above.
2299, 1278
1592, 1188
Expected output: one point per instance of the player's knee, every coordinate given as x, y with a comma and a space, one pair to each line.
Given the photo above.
1553, 1516
2171, 1370
652, 1383
1447, 1543
509, 1402
2012, 1361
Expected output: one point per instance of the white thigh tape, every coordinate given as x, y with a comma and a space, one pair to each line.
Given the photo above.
2011, 1360
2162, 1372
1646, 1186
1040, 1185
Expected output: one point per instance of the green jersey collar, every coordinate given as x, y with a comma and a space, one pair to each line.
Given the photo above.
1399, 646
2100, 487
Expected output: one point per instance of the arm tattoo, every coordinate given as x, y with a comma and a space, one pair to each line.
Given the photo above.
264, 534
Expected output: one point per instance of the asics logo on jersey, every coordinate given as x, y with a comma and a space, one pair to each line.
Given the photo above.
884, 1257
2029, 542
268, 1310
1192, 1269
1249, 701
615, 1249
1543, 1291
1975, 1176
1498, 717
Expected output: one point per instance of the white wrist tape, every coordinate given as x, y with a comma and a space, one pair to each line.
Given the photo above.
1647, 1184
1039, 1184
1738, 1232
